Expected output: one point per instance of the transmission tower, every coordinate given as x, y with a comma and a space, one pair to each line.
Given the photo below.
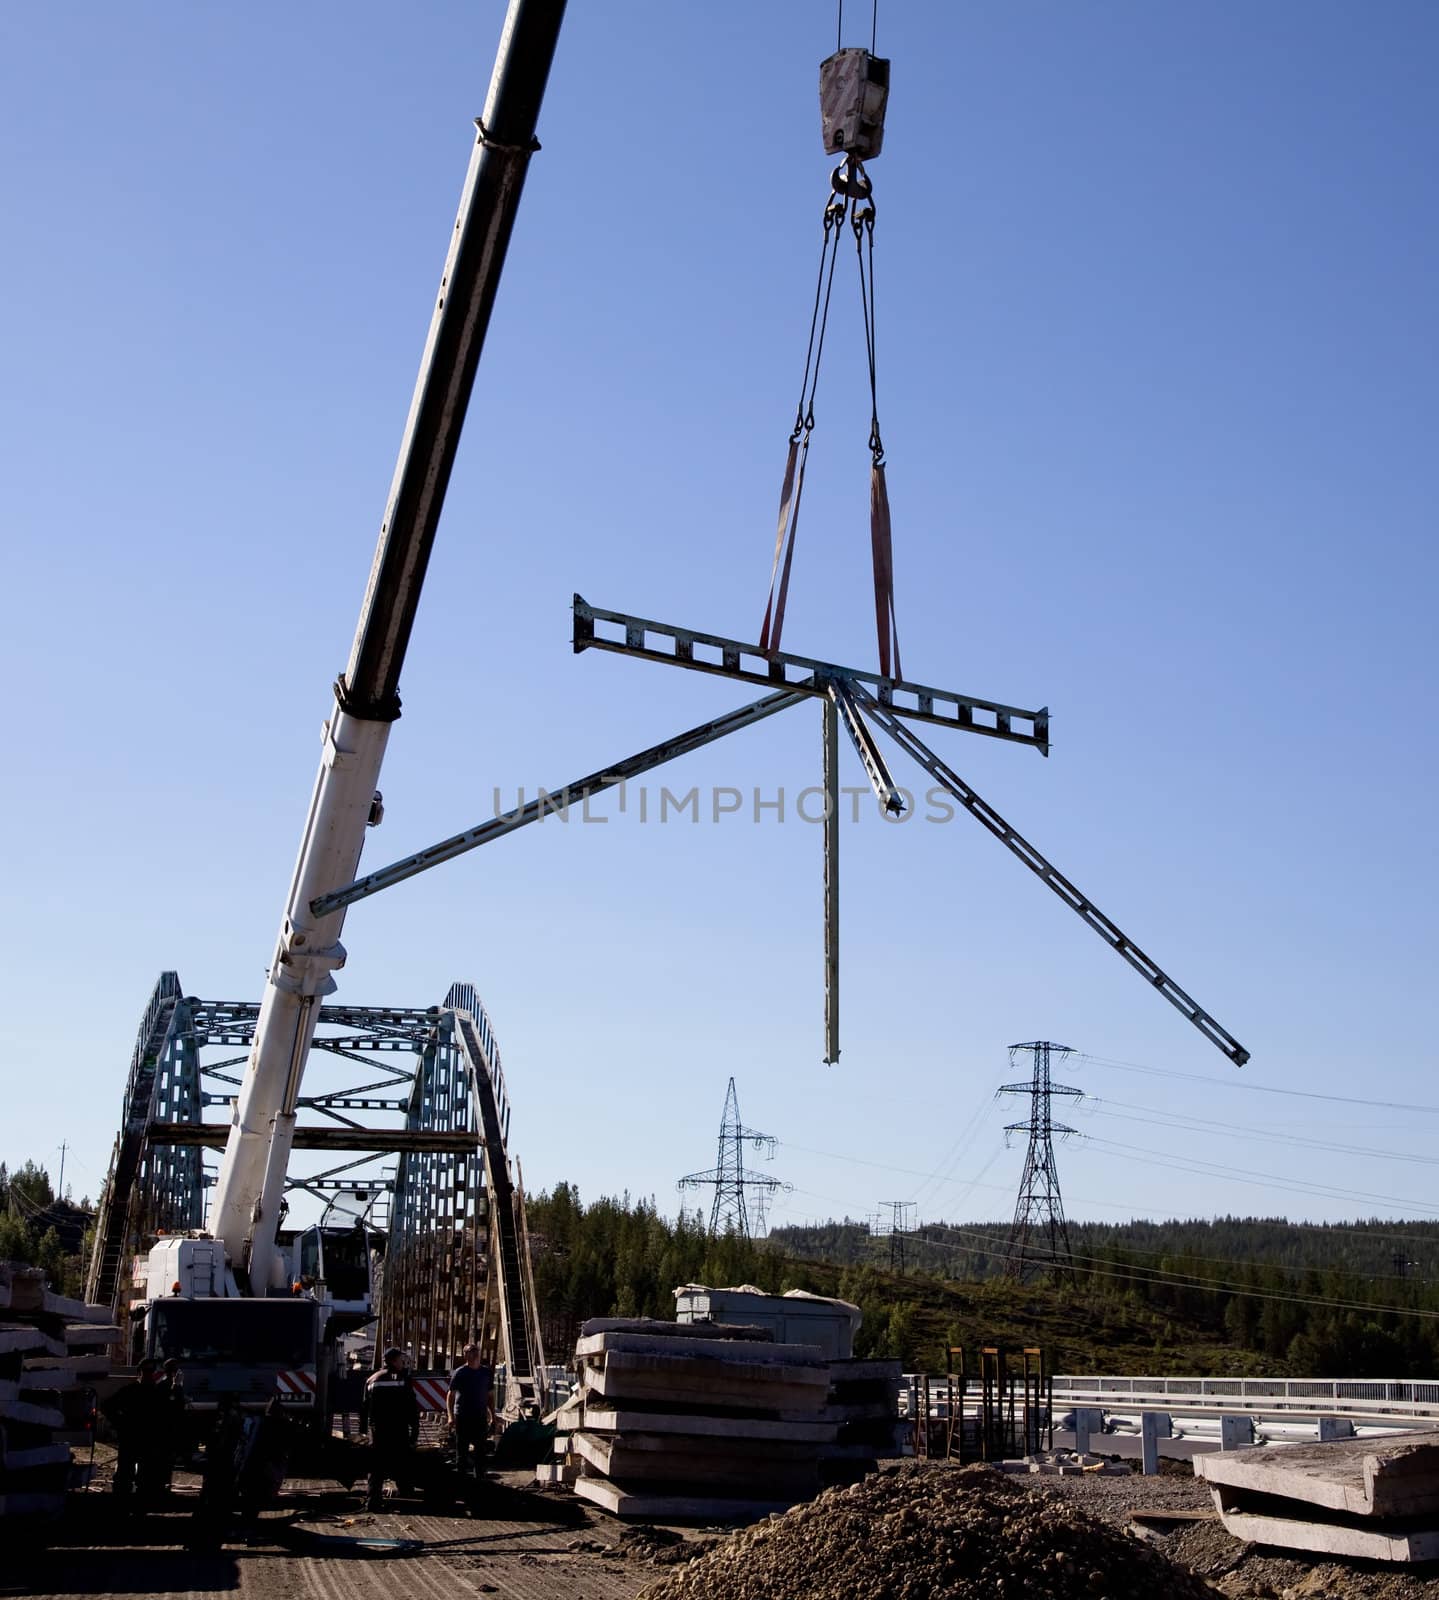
898, 1225
1040, 1235
728, 1177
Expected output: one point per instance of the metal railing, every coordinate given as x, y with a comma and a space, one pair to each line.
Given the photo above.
1414, 1396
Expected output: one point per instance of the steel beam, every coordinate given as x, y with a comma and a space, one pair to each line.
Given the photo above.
830, 714
730, 658
1050, 875
556, 801
382, 1141
871, 757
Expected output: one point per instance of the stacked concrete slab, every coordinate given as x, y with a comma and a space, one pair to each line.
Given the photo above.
52, 1352
863, 1404
679, 1421
1378, 1500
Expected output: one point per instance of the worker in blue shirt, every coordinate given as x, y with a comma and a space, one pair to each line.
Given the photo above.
470, 1410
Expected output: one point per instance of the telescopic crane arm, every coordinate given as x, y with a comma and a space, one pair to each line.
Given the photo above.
246, 1206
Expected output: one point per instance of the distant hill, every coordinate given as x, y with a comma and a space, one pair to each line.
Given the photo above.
1355, 1300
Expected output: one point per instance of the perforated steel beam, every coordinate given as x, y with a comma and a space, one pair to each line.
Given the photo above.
556, 801
597, 629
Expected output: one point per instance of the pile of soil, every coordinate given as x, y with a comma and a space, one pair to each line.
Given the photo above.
932, 1532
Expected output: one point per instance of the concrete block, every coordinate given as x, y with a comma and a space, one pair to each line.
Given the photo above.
1394, 1477
1335, 1428
654, 1507
1236, 1433
1087, 1420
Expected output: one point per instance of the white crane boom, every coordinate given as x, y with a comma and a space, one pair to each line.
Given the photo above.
246, 1206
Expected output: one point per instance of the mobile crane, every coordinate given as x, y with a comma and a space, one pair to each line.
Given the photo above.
229, 1291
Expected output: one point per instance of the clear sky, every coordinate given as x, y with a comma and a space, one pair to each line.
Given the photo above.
1159, 381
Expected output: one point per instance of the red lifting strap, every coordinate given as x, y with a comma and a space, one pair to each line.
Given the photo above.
789, 498
882, 553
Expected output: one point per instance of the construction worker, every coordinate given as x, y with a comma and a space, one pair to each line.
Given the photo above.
392, 1413
171, 1384
470, 1410
140, 1414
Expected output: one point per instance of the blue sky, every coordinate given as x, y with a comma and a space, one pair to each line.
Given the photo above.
1159, 372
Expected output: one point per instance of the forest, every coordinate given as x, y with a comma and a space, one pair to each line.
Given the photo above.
1256, 1296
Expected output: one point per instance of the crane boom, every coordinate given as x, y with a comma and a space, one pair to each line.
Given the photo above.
245, 1210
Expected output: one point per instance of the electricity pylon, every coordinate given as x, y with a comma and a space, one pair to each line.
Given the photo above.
1039, 1235
728, 1177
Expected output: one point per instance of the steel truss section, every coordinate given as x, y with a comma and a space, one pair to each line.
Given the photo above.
428, 1139
848, 694
458, 1267
437, 1265
151, 1185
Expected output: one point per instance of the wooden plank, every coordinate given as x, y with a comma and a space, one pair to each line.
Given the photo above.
600, 1418
1397, 1477
674, 1508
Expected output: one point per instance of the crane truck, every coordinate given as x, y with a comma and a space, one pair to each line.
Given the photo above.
247, 1313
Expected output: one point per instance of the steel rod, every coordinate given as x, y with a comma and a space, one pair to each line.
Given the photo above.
1050, 875
830, 714
556, 801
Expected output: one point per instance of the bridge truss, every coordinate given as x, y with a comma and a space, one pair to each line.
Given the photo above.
411, 1101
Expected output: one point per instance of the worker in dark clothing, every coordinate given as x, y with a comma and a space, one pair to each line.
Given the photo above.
470, 1410
140, 1414
392, 1413
176, 1420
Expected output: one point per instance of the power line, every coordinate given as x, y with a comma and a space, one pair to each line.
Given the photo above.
1183, 1122
1390, 1202
1214, 1285
1259, 1088
1207, 1169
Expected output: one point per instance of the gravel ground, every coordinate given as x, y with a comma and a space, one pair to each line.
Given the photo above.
1238, 1570
932, 1532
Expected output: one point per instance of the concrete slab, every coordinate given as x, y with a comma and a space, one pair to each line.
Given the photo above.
599, 1418
1373, 1543
674, 1508
1363, 1477
746, 1351
655, 1327
686, 1382
637, 1464
28, 1341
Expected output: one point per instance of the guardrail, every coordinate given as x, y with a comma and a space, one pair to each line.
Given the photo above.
1385, 1396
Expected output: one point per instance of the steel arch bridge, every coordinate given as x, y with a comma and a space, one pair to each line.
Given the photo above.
412, 1101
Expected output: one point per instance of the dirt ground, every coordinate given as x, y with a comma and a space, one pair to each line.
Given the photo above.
318, 1543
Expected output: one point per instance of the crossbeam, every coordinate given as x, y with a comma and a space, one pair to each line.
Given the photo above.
556, 801
597, 629
382, 1141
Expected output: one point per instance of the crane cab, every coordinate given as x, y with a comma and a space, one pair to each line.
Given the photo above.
338, 1265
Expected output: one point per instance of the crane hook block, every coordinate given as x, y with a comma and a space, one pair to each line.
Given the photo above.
853, 92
